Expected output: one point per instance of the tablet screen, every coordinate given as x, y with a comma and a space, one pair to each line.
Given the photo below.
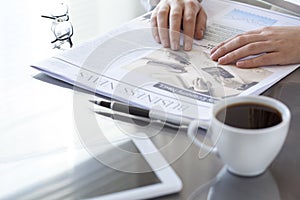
105, 180
86, 179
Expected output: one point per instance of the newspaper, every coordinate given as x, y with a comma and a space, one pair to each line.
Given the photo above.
126, 63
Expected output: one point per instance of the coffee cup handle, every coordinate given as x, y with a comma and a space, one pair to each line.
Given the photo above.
192, 134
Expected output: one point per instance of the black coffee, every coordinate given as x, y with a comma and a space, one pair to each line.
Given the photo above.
249, 116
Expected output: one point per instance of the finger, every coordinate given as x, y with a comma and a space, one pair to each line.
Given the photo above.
234, 44
163, 23
263, 60
200, 24
248, 33
175, 24
154, 28
237, 36
247, 50
255, 31
224, 43
189, 23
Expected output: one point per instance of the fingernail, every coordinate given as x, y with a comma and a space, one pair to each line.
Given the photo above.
175, 46
157, 39
240, 63
165, 44
212, 51
212, 56
199, 35
202, 34
187, 46
221, 60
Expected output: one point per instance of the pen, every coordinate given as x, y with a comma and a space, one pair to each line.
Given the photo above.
141, 112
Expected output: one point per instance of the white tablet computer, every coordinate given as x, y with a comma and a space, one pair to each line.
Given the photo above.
78, 175
159, 178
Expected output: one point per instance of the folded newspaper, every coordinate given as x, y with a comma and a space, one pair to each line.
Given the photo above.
126, 63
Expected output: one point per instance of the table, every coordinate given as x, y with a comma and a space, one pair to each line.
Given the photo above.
37, 119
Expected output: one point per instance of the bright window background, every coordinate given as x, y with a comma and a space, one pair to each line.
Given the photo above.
25, 38
25, 33
96, 16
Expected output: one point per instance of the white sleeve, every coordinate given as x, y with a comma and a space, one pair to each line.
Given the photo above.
149, 4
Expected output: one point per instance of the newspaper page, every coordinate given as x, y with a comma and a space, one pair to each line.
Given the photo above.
128, 65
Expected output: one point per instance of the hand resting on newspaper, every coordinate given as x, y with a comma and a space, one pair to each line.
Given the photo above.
266, 46
261, 47
177, 15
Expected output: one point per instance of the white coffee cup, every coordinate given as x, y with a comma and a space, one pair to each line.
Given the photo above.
246, 152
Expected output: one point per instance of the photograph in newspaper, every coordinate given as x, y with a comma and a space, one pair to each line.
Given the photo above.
196, 72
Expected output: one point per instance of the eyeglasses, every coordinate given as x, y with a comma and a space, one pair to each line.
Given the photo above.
61, 27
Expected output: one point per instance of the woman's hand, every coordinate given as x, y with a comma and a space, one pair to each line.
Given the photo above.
170, 16
268, 46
